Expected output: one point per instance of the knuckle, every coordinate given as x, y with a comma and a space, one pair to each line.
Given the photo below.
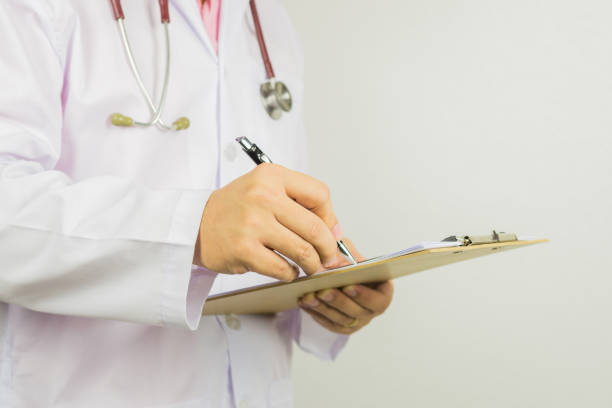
244, 249
237, 269
346, 321
340, 302
318, 190
316, 230
253, 221
323, 192
305, 255
319, 307
286, 272
261, 193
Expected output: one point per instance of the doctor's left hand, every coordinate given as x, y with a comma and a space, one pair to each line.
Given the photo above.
346, 310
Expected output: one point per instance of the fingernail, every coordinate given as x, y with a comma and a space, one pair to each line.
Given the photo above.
331, 263
350, 290
337, 231
311, 302
327, 295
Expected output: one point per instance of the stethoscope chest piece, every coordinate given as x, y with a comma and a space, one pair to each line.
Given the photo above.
276, 98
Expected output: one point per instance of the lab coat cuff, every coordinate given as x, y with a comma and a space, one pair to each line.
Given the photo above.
185, 286
316, 339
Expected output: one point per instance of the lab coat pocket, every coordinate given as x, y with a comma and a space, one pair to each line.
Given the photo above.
281, 394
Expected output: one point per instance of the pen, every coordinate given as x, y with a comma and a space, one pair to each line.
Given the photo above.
259, 157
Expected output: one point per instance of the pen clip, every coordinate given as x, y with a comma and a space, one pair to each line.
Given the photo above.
253, 151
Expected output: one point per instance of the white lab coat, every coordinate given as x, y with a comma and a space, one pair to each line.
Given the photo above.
98, 223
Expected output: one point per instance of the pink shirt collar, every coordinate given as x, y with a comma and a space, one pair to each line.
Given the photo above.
210, 12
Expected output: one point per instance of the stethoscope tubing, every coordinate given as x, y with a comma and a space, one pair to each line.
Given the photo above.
261, 41
274, 94
156, 111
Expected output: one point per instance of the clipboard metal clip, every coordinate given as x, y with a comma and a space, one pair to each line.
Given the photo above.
492, 238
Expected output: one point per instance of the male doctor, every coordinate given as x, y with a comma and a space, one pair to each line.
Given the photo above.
112, 238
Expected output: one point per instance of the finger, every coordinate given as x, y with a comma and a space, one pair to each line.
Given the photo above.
259, 259
386, 288
329, 325
341, 260
309, 227
341, 302
310, 302
376, 300
312, 194
293, 247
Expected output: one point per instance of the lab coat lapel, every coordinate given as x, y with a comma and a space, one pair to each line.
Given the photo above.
189, 12
232, 12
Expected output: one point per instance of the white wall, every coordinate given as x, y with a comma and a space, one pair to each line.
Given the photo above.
436, 116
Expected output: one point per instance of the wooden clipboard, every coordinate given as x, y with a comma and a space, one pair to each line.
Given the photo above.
280, 296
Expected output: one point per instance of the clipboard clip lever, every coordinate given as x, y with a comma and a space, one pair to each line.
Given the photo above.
492, 238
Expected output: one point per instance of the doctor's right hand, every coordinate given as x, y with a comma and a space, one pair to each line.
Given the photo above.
270, 208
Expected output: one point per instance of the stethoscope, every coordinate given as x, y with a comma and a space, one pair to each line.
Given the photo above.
275, 95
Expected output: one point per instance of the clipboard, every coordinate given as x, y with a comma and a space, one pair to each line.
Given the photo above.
280, 296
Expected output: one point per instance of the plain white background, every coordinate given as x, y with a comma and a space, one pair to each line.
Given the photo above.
434, 117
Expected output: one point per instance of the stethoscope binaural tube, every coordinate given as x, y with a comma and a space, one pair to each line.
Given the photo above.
119, 119
275, 95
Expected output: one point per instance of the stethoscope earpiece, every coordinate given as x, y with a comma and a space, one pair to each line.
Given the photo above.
118, 119
181, 123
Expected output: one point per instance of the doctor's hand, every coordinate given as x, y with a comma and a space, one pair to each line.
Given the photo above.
270, 208
346, 310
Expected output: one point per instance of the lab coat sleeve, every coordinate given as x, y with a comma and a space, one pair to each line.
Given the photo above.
102, 247
310, 336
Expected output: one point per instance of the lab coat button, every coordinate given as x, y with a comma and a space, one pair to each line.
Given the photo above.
233, 321
230, 152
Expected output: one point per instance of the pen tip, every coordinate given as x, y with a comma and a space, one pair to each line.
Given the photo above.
238, 139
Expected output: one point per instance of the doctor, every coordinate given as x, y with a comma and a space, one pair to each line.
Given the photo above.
111, 238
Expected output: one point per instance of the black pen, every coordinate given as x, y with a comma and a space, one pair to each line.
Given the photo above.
260, 157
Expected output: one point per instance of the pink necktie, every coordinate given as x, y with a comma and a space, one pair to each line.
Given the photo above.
210, 11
